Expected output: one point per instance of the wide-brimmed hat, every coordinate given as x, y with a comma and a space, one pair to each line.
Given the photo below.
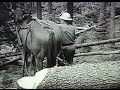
31, 82
65, 16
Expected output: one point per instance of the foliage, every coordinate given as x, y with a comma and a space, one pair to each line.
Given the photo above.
83, 12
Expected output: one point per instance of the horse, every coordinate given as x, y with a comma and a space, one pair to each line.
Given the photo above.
40, 38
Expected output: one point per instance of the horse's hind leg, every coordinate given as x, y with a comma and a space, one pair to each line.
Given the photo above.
39, 63
39, 59
34, 63
27, 65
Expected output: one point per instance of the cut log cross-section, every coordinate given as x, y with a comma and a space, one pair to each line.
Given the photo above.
105, 75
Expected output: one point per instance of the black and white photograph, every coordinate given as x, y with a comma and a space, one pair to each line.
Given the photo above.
60, 45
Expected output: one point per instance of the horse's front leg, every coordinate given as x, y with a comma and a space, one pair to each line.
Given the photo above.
25, 62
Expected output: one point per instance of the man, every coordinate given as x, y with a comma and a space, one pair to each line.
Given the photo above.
68, 37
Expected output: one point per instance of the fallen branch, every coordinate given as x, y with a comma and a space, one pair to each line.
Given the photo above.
9, 55
9, 62
98, 53
94, 26
5, 53
82, 28
81, 31
94, 43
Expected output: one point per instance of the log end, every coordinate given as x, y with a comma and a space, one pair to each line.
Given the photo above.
31, 82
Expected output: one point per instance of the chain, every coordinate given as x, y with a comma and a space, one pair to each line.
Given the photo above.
62, 60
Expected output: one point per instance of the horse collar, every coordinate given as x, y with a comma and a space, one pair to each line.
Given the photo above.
27, 26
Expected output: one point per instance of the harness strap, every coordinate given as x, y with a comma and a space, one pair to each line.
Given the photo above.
18, 36
67, 44
62, 60
26, 38
19, 39
28, 26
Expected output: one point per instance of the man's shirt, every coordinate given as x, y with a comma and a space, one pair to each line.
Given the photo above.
68, 33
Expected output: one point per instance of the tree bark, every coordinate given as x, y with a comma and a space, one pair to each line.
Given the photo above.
94, 43
104, 75
31, 6
112, 25
98, 43
39, 10
102, 11
50, 10
9, 62
98, 53
9, 55
102, 36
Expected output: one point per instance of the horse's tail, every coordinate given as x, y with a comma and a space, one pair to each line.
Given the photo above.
52, 50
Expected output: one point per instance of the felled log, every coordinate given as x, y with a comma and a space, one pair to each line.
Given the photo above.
104, 75
81, 31
9, 55
82, 28
5, 53
94, 43
98, 42
98, 53
9, 62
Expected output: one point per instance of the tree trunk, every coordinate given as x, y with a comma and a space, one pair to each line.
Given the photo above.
102, 12
31, 6
112, 24
70, 8
104, 75
102, 35
50, 10
39, 11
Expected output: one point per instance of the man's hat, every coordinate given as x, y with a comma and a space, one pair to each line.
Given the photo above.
65, 16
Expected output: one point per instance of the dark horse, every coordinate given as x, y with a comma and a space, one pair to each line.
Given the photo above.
41, 38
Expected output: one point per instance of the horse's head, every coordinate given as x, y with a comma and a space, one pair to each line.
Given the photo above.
26, 18
21, 16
